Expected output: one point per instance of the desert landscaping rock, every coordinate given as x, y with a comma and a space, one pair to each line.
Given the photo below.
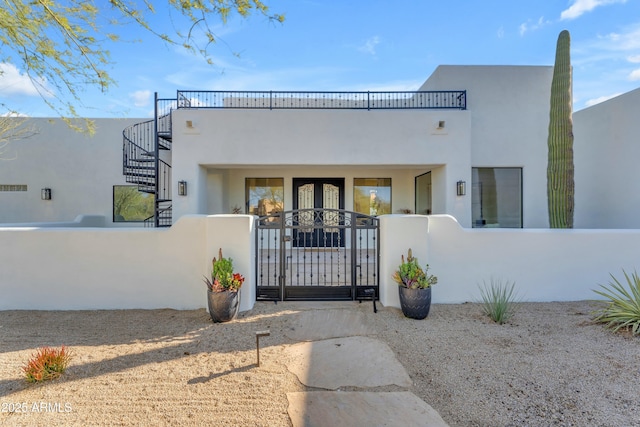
346, 362
322, 324
361, 409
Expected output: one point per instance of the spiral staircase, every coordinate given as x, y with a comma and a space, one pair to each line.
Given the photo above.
146, 155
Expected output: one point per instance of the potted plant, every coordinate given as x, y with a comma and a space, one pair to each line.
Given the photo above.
222, 289
414, 287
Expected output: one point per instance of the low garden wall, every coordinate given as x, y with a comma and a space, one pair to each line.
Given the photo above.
120, 268
110, 268
545, 264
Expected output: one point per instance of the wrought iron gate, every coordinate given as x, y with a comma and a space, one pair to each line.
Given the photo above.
317, 254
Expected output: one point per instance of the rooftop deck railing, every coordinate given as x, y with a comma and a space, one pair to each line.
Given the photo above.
446, 99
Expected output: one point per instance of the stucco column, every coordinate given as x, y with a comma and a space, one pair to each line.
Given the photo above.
235, 235
398, 234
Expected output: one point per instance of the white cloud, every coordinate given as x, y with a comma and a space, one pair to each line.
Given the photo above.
580, 7
141, 98
600, 99
529, 26
12, 82
500, 32
628, 40
634, 75
622, 46
13, 114
370, 45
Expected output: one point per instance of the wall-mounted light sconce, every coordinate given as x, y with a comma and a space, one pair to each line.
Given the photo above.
441, 124
461, 188
182, 188
189, 124
45, 194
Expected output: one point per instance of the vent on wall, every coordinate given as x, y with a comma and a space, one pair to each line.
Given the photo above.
13, 187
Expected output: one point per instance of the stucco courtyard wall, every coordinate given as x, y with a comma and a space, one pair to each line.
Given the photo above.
107, 268
545, 264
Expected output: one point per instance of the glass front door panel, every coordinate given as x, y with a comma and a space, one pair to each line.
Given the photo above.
320, 227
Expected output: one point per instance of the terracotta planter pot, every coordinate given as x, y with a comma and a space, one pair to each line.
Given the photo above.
415, 303
223, 306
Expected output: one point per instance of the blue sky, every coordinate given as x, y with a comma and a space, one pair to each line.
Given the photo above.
340, 45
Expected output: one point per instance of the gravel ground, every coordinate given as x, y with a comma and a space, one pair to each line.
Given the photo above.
551, 366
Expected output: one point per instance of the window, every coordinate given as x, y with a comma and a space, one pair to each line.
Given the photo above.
13, 187
496, 199
131, 205
265, 196
372, 196
423, 194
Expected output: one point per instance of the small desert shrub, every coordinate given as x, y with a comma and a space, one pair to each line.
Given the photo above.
623, 307
498, 300
47, 364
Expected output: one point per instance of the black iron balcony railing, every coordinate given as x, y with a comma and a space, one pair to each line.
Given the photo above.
446, 99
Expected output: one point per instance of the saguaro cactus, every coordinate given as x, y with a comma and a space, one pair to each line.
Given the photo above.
560, 169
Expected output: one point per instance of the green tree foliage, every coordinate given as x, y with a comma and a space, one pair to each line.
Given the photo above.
12, 128
129, 204
60, 44
560, 169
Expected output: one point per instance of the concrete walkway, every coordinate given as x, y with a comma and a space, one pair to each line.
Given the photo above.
336, 354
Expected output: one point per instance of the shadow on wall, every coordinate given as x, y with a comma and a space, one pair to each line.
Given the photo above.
80, 221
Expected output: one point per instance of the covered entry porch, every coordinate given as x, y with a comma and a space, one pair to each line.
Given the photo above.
377, 190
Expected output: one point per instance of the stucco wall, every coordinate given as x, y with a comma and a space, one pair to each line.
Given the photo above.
509, 107
606, 153
546, 265
91, 268
81, 171
337, 143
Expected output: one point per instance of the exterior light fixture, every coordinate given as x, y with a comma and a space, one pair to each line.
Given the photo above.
45, 194
461, 188
182, 188
258, 335
441, 124
189, 123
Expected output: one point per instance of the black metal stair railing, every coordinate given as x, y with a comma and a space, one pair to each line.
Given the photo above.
142, 164
139, 154
272, 100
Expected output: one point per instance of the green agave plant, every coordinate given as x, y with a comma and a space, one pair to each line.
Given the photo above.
498, 300
623, 307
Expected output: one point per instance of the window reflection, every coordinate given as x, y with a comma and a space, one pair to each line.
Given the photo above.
497, 197
265, 196
372, 196
131, 205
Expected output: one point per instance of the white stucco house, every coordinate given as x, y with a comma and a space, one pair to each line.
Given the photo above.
470, 146
411, 155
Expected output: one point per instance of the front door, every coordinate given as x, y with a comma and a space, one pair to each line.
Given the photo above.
318, 200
